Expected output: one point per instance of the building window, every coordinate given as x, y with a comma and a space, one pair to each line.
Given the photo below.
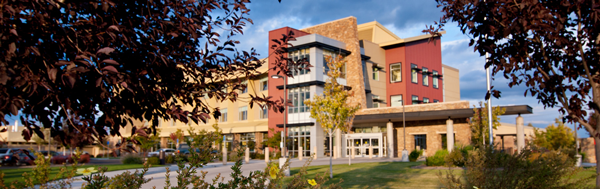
264, 84
435, 79
421, 141
396, 100
245, 85
223, 117
425, 76
264, 112
413, 72
375, 103
296, 56
376, 73
299, 137
229, 142
425, 100
396, 72
297, 97
415, 99
333, 56
248, 139
243, 113
224, 89
445, 141
435, 101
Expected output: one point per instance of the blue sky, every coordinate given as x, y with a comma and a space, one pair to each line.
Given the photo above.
405, 19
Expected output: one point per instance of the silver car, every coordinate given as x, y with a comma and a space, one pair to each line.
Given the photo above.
168, 151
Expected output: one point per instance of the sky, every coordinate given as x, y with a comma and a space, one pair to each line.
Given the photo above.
405, 19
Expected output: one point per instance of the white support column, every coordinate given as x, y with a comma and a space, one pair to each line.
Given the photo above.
450, 134
370, 152
390, 139
300, 153
267, 155
247, 155
335, 154
520, 134
224, 154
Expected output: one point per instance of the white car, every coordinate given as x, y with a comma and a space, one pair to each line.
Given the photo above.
168, 151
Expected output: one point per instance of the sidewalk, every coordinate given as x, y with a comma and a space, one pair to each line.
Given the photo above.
158, 173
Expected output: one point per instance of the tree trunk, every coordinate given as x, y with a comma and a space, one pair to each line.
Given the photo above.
330, 156
597, 146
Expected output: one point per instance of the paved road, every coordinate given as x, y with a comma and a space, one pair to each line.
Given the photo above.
158, 174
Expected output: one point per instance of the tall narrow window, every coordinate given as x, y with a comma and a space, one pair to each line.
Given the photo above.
435, 79
223, 117
264, 83
375, 103
264, 112
425, 76
413, 73
376, 73
243, 113
415, 99
396, 72
332, 56
425, 100
421, 141
396, 100
245, 85
297, 96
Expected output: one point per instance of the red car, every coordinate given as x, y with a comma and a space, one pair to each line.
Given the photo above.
60, 159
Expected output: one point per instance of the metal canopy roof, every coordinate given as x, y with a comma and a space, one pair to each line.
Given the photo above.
435, 115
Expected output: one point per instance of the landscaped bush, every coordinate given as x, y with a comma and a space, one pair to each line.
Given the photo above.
458, 156
169, 159
259, 156
132, 159
153, 161
438, 159
414, 155
486, 168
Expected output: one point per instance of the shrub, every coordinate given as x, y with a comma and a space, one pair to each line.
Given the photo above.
259, 156
438, 159
132, 159
486, 168
170, 159
414, 155
153, 161
458, 156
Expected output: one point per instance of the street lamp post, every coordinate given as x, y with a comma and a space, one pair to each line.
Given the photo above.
404, 151
283, 134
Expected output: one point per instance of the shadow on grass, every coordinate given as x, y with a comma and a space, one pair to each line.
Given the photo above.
378, 175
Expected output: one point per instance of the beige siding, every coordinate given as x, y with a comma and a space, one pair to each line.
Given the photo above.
378, 87
451, 83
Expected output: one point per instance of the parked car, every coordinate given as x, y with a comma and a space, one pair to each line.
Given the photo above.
168, 151
47, 154
67, 158
186, 152
16, 157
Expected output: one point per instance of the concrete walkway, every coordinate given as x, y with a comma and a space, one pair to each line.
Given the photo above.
158, 173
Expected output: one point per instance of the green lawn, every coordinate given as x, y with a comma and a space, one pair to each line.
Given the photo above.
390, 175
16, 173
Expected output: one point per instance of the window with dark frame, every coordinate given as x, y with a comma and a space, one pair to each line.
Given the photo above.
396, 72
435, 79
264, 84
375, 103
376, 73
243, 113
413, 73
425, 76
298, 55
421, 141
425, 100
435, 101
415, 99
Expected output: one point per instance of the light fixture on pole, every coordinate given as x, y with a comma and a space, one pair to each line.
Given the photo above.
283, 134
283, 158
404, 151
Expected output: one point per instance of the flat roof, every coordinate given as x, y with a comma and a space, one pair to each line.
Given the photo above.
435, 114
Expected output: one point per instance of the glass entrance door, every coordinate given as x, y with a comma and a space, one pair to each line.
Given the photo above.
362, 144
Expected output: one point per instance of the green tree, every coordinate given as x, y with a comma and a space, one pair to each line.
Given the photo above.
550, 47
147, 142
480, 132
331, 110
555, 137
